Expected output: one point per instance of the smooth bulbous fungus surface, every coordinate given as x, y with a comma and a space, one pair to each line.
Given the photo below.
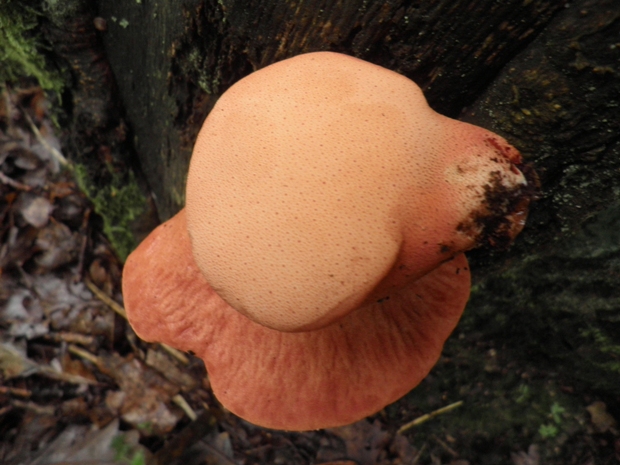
323, 183
317, 268
292, 380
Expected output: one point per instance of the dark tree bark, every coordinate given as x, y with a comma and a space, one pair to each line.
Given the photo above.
559, 102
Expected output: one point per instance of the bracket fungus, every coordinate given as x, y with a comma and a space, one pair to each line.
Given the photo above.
318, 265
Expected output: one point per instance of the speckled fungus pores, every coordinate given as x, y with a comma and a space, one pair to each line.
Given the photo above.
317, 268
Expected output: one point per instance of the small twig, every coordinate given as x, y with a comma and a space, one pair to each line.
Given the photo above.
75, 338
177, 399
428, 416
419, 454
48, 371
15, 391
181, 402
105, 298
38, 409
446, 447
217, 452
55, 152
13, 183
84, 354
176, 353
6, 409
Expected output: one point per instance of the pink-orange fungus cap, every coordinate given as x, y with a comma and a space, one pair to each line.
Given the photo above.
328, 208
323, 182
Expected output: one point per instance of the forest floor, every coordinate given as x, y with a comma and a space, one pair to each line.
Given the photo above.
78, 386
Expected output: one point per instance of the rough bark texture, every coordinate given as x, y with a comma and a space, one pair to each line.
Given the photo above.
96, 136
559, 102
543, 74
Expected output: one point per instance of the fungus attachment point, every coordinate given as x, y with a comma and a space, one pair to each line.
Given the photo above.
328, 208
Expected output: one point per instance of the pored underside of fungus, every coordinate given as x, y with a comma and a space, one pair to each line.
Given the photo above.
317, 268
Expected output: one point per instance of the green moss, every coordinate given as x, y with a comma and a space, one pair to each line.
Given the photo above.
206, 76
560, 309
58, 11
21, 49
127, 453
119, 203
603, 353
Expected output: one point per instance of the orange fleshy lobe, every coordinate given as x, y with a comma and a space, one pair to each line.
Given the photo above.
295, 381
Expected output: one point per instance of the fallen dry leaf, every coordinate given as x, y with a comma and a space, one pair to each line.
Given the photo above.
145, 395
34, 209
531, 457
58, 246
76, 367
219, 449
364, 441
18, 247
18, 307
25, 159
164, 364
403, 450
35, 428
600, 417
14, 362
80, 445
